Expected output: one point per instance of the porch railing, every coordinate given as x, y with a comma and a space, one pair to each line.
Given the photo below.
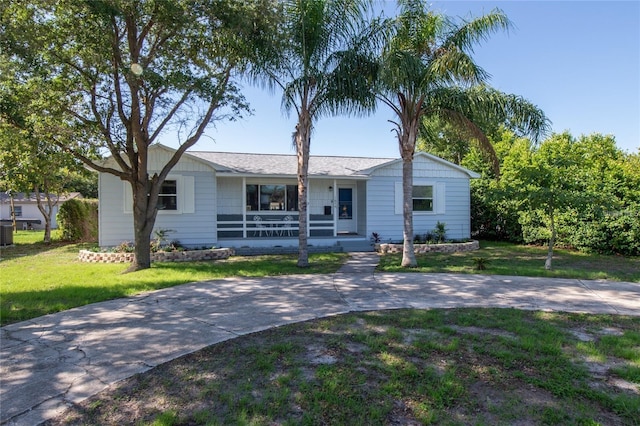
271, 225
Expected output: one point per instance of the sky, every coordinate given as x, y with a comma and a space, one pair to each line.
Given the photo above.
578, 61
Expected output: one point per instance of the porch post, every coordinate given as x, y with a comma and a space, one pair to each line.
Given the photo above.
334, 210
244, 207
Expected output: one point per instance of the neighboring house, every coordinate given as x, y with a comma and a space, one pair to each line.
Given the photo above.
28, 216
239, 200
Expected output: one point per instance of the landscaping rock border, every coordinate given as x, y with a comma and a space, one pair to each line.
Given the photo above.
430, 248
160, 256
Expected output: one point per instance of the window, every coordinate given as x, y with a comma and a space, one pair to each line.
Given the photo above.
17, 210
272, 197
423, 198
428, 197
168, 195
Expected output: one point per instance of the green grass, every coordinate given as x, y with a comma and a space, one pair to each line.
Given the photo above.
509, 259
448, 367
451, 367
39, 279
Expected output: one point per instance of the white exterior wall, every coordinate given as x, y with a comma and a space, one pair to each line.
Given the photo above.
29, 211
320, 195
451, 200
195, 221
230, 193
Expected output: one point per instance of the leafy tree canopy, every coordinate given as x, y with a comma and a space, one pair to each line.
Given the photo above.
114, 75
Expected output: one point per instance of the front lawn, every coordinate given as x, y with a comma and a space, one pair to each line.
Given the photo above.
401, 367
38, 279
511, 259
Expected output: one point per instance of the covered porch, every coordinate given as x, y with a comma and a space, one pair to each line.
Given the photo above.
264, 211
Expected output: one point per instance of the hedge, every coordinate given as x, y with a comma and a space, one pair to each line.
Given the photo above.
78, 220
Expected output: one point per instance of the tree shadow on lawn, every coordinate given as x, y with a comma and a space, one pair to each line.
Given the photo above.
464, 366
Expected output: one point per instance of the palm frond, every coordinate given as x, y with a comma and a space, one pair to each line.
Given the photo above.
453, 66
474, 133
466, 107
471, 33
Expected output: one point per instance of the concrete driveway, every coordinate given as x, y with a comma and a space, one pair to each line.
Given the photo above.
53, 361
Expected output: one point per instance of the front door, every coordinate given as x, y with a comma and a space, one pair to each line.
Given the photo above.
346, 210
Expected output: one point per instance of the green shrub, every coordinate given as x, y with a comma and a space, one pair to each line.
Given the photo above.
614, 233
440, 232
78, 220
480, 263
494, 216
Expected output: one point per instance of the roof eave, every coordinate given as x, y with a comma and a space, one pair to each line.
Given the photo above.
286, 176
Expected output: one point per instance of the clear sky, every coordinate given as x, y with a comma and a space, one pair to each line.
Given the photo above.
579, 61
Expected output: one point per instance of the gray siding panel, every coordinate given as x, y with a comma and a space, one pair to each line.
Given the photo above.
191, 229
382, 218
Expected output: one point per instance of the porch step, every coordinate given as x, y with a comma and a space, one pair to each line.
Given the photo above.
356, 246
257, 251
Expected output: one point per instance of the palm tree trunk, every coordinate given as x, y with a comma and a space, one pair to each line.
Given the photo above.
408, 254
407, 136
303, 143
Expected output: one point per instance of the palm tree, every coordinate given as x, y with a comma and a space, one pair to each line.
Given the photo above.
427, 71
325, 68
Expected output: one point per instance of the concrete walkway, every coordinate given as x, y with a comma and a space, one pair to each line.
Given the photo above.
50, 362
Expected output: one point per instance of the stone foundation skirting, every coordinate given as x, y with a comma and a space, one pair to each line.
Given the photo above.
161, 256
430, 248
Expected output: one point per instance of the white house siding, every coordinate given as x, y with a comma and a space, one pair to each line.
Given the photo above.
385, 219
361, 203
30, 211
320, 195
194, 225
230, 193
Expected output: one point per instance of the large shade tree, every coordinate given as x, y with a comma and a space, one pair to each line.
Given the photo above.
121, 74
324, 68
427, 71
28, 161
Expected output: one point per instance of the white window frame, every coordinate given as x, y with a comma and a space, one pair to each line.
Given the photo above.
185, 188
259, 194
432, 198
439, 197
161, 196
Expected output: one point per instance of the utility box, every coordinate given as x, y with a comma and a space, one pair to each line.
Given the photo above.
6, 235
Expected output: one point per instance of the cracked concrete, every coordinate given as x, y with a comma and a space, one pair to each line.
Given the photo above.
50, 362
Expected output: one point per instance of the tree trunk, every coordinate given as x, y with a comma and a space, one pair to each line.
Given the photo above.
13, 213
144, 217
407, 139
46, 211
552, 241
303, 144
408, 254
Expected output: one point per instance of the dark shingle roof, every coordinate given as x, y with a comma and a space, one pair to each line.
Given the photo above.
22, 197
280, 164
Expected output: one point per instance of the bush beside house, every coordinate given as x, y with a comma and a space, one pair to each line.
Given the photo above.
78, 220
